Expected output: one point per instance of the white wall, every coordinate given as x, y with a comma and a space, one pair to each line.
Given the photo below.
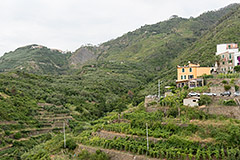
221, 48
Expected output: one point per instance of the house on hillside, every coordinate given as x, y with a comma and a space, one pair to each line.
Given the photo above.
191, 101
189, 75
229, 57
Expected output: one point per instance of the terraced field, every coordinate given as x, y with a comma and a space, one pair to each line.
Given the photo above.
193, 135
16, 137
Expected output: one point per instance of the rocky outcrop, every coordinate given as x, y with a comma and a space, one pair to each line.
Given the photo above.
83, 55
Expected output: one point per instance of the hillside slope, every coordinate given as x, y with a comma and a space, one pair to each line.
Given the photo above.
34, 59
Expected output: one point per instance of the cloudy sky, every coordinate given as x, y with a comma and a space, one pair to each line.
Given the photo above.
68, 24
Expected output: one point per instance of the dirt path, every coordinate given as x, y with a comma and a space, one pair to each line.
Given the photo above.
7, 122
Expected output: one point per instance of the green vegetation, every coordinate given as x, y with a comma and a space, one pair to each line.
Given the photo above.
237, 69
224, 82
39, 91
227, 87
229, 102
99, 155
205, 100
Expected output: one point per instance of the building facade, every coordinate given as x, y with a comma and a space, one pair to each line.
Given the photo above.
229, 57
188, 75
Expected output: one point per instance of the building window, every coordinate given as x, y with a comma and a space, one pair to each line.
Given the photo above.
185, 77
230, 61
222, 56
190, 69
223, 63
229, 46
181, 77
190, 76
183, 70
194, 100
230, 56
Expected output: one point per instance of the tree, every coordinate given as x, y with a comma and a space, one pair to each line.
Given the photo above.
204, 99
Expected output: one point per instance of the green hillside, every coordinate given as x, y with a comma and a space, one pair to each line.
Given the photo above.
34, 60
99, 92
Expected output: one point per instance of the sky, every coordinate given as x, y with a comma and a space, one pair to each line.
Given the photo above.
69, 24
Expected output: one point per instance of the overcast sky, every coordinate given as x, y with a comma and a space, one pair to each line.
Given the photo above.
68, 24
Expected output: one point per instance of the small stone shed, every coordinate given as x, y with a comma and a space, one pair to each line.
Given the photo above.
191, 101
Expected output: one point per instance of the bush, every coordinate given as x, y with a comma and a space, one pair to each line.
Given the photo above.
224, 82
227, 87
185, 87
230, 102
236, 87
232, 81
205, 100
71, 144
18, 135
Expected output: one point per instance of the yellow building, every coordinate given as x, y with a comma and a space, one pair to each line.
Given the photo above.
188, 75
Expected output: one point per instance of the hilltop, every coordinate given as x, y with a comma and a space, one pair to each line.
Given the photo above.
35, 59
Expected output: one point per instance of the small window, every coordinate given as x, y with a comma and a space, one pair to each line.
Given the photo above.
223, 63
190, 69
183, 70
229, 46
181, 77
194, 100
185, 77
230, 56
230, 61
222, 56
190, 76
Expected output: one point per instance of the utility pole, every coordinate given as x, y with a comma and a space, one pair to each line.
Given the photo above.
64, 135
158, 88
159, 85
147, 137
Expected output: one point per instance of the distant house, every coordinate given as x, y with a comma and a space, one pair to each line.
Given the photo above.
229, 57
191, 101
188, 75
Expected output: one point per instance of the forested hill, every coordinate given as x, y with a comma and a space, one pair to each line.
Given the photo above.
152, 46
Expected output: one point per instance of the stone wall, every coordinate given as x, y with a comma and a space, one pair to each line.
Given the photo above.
229, 111
218, 87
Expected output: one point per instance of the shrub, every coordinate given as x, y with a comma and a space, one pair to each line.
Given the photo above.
207, 76
185, 87
224, 82
18, 135
7, 133
236, 87
71, 144
232, 81
227, 87
230, 102
204, 99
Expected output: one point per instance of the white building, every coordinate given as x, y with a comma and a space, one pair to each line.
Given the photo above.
191, 101
230, 48
229, 57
